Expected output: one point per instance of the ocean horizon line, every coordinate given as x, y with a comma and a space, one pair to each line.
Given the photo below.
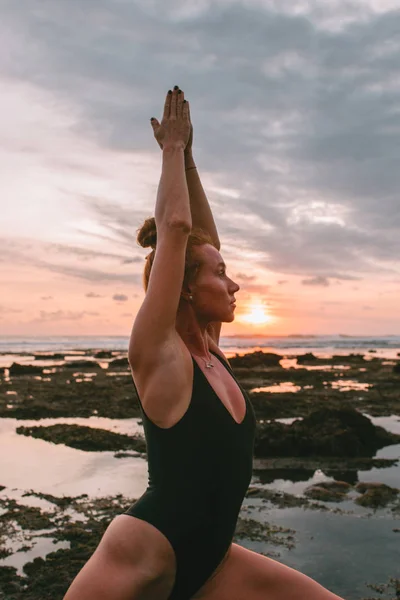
239, 335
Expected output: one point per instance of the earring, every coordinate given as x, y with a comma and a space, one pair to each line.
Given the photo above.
190, 297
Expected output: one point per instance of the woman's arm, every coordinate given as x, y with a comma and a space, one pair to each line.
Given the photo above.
199, 206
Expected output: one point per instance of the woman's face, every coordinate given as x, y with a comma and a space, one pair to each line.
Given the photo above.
213, 291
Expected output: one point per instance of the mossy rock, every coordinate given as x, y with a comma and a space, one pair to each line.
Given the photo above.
318, 492
256, 359
375, 495
324, 432
83, 364
118, 363
49, 356
85, 438
308, 357
17, 369
103, 354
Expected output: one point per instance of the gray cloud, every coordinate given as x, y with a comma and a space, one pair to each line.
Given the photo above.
93, 295
120, 298
317, 281
64, 315
304, 109
24, 252
8, 309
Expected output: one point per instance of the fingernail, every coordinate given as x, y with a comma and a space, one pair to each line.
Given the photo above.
169, 91
176, 87
179, 91
152, 119
184, 101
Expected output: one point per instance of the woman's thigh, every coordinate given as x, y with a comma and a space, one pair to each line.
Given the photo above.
134, 561
247, 574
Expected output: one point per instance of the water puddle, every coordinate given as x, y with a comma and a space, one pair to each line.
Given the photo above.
341, 552
348, 385
67, 471
280, 388
32, 501
291, 363
41, 547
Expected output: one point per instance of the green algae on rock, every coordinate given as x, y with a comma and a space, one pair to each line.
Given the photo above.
375, 495
85, 438
17, 369
324, 432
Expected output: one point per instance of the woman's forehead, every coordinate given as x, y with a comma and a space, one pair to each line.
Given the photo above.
211, 256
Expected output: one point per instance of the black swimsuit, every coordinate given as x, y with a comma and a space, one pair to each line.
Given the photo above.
199, 471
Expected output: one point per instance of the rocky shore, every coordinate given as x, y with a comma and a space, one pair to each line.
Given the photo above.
328, 398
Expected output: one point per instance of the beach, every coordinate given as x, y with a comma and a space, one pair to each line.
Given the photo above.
324, 497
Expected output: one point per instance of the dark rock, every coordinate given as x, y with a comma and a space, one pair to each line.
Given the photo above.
256, 359
49, 356
324, 432
396, 369
318, 492
83, 364
304, 359
119, 362
17, 369
85, 438
375, 495
103, 354
336, 486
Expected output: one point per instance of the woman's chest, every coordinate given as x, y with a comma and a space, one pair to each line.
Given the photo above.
226, 389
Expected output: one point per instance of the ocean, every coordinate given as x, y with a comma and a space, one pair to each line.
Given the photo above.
387, 346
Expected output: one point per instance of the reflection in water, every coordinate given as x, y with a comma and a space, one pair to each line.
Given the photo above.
291, 363
348, 385
41, 547
341, 552
280, 388
68, 471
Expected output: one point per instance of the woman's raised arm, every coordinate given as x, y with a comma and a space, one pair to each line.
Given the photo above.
154, 326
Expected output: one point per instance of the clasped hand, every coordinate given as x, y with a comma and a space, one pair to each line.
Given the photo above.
175, 129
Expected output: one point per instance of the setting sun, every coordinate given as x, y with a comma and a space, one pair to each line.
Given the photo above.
257, 315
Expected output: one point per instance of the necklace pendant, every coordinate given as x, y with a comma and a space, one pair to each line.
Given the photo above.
209, 365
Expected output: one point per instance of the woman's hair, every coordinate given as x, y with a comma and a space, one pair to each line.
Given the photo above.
147, 237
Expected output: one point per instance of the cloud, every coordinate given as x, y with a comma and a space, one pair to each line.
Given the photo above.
64, 315
93, 295
46, 297
8, 310
300, 119
120, 298
244, 277
317, 281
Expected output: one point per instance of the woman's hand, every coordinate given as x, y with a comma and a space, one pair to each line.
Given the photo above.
175, 127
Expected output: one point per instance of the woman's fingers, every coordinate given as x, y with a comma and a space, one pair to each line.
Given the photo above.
155, 126
180, 100
167, 105
186, 111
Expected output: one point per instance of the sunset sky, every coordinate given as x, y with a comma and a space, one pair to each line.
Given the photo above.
296, 114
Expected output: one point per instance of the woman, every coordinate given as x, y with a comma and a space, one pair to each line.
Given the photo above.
175, 542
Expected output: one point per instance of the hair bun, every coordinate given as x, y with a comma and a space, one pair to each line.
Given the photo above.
147, 234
